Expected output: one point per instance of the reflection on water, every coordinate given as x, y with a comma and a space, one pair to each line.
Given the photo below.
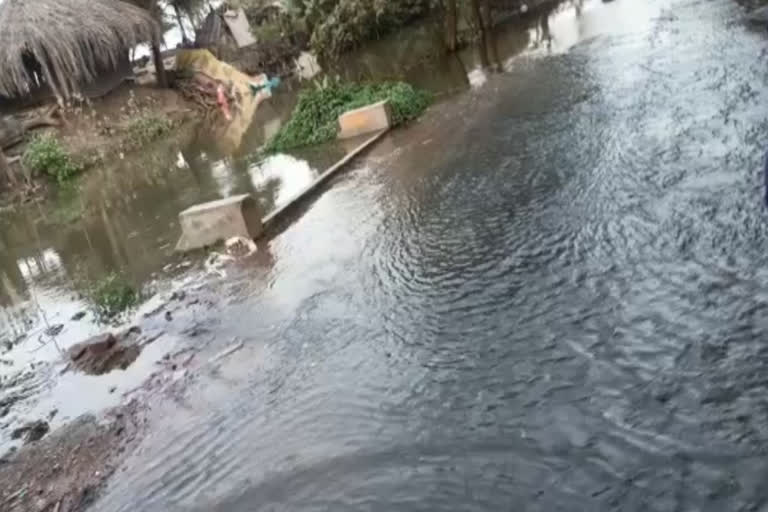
417, 55
553, 295
269, 175
584, 20
123, 217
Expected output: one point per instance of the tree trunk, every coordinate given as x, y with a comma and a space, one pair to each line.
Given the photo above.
5, 169
485, 12
489, 41
546, 35
184, 38
478, 15
451, 26
157, 56
489, 38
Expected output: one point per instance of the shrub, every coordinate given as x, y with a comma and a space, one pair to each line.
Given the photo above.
111, 296
340, 25
46, 155
146, 129
315, 118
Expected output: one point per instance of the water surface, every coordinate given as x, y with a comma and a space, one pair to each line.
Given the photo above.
548, 294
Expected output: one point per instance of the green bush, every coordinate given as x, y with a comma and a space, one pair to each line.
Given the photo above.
339, 25
315, 118
45, 155
111, 296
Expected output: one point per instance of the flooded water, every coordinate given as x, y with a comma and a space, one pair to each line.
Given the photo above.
548, 294
123, 218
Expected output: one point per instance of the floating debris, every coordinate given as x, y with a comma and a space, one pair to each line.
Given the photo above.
239, 246
228, 351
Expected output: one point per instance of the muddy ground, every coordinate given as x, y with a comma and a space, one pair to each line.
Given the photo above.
55, 464
64, 471
66, 468
100, 129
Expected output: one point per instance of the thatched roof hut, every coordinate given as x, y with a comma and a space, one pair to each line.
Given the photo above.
64, 44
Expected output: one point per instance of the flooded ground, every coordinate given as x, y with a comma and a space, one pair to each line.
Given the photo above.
123, 218
547, 293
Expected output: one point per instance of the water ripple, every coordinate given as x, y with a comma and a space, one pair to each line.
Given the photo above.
558, 306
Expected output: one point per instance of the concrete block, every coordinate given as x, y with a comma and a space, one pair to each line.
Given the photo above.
368, 119
209, 223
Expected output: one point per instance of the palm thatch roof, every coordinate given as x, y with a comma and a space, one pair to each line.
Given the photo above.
64, 43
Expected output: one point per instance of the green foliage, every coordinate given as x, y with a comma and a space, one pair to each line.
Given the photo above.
267, 32
147, 129
315, 118
335, 26
111, 296
338, 25
45, 155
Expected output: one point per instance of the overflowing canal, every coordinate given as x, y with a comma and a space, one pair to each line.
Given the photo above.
548, 294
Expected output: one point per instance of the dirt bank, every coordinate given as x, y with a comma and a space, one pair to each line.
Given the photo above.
64, 471
95, 132
121, 122
60, 457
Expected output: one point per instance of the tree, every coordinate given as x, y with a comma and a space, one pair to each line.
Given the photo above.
156, 11
158, 8
5, 169
157, 54
451, 25
189, 8
177, 12
479, 12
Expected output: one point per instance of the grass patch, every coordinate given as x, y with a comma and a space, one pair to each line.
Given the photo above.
147, 129
315, 118
111, 296
45, 155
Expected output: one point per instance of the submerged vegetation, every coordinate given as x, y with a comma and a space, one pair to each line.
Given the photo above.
314, 119
111, 296
45, 155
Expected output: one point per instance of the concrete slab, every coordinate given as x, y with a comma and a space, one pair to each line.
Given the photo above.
368, 119
209, 223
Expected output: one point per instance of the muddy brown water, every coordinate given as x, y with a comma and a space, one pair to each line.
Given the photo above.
549, 294
123, 218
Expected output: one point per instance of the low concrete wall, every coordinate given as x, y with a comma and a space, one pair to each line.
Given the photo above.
270, 219
209, 223
368, 119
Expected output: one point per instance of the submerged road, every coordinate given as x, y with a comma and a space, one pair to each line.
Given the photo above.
550, 294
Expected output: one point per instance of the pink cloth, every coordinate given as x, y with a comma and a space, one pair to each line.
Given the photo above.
221, 98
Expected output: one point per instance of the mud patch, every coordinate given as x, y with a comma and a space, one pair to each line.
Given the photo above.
64, 471
104, 353
31, 432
